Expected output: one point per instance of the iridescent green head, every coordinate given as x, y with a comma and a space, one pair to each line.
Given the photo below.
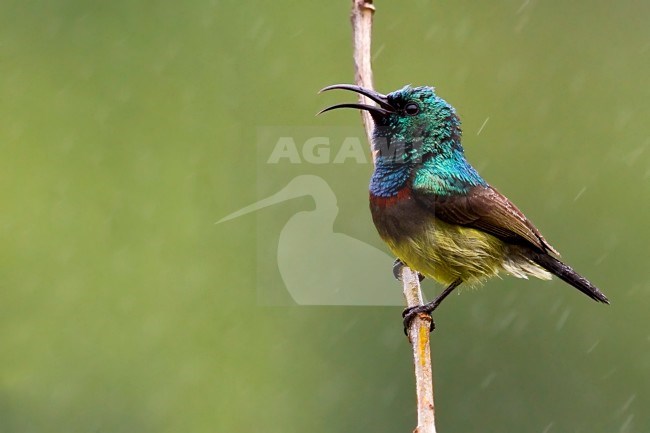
417, 138
410, 124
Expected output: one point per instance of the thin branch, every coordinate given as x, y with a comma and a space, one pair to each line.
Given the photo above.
419, 337
362, 14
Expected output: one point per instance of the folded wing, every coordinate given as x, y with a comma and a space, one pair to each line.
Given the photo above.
484, 208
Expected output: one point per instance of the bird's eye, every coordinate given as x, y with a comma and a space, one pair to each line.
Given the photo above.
411, 108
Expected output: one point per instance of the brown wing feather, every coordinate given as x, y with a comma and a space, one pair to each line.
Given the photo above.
486, 209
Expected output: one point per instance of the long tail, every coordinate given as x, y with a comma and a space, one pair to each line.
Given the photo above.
565, 273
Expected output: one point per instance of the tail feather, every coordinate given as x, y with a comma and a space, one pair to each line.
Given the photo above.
567, 274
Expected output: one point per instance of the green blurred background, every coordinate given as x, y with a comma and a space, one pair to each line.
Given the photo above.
128, 128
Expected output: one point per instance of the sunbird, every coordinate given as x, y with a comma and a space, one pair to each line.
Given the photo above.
435, 212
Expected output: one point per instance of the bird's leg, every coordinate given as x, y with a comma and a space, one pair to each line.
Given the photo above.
411, 312
397, 270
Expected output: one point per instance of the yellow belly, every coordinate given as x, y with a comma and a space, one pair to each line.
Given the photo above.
448, 252
445, 252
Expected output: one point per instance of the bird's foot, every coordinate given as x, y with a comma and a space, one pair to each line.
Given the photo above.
412, 312
397, 270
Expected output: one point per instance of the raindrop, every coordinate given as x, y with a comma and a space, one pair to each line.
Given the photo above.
563, 319
626, 424
506, 321
520, 10
627, 404
548, 428
584, 188
634, 155
488, 380
378, 51
483, 125
593, 346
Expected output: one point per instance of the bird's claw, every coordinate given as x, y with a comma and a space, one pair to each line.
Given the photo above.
412, 312
397, 270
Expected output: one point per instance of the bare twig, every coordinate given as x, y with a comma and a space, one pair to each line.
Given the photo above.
362, 14
419, 337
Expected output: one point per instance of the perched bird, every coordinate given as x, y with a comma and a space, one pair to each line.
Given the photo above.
433, 209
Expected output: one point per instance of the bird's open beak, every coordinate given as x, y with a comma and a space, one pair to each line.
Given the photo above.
384, 108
